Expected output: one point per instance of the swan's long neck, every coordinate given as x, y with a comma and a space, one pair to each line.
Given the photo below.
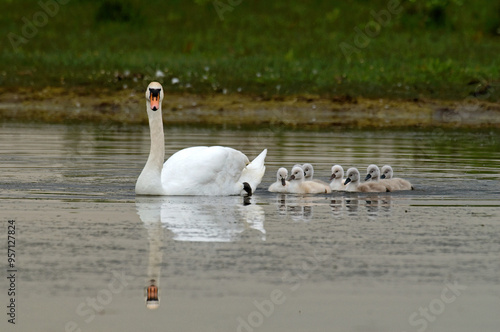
157, 150
149, 182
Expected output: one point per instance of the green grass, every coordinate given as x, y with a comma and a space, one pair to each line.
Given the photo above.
442, 49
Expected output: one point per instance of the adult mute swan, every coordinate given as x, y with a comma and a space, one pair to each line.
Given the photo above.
198, 170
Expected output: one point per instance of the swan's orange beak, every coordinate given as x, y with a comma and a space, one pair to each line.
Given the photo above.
155, 101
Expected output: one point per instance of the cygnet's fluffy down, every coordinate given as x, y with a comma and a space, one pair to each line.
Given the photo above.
373, 175
309, 174
281, 185
297, 184
402, 184
337, 179
352, 183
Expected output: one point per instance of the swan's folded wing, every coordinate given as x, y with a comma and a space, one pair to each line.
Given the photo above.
203, 170
253, 173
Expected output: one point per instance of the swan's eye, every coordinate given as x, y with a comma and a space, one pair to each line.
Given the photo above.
155, 93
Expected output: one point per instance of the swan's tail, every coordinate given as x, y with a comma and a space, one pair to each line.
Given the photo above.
253, 172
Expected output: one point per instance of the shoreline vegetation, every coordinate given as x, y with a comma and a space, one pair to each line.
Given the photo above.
316, 64
127, 107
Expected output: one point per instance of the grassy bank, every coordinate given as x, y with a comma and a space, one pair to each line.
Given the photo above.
439, 49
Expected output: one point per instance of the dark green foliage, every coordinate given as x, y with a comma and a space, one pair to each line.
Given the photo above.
433, 48
114, 11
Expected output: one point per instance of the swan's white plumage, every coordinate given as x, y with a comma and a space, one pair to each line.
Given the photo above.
199, 170
203, 170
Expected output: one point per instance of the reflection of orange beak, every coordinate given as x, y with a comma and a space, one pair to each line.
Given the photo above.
152, 294
155, 102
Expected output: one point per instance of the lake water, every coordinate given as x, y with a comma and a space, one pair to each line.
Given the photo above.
86, 248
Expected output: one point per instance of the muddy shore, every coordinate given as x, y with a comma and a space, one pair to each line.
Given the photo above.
57, 105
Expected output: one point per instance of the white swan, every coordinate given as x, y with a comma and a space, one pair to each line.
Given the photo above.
281, 185
352, 183
403, 184
199, 170
337, 178
297, 185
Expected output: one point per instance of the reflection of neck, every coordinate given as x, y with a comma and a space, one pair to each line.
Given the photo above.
155, 234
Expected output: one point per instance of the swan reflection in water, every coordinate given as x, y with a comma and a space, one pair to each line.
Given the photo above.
375, 204
298, 207
193, 219
301, 207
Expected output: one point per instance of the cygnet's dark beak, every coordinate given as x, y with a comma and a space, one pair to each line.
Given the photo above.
368, 177
283, 182
382, 176
347, 181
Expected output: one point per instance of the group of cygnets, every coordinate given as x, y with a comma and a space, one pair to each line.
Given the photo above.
301, 180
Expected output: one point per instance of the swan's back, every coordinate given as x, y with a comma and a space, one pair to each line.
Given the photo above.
308, 187
370, 187
204, 170
313, 187
403, 184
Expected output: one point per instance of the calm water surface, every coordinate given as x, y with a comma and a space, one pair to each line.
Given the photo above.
87, 248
